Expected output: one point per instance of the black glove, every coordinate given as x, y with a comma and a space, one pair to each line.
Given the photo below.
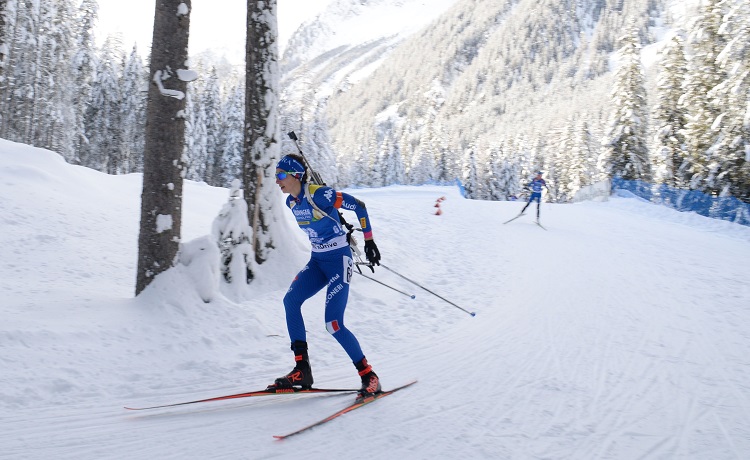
372, 253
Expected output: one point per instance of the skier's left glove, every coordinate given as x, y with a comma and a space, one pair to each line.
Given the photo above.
372, 253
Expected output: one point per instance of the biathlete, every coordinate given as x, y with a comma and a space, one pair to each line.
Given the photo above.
331, 266
536, 193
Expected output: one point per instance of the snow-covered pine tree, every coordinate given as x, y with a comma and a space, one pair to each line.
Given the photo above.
704, 74
232, 233
395, 172
84, 62
103, 122
195, 133
56, 109
670, 117
584, 154
562, 166
470, 178
625, 147
211, 102
21, 67
731, 150
228, 165
7, 15
495, 163
3, 43
318, 135
133, 112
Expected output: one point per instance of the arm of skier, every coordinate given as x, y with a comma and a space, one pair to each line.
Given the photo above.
346, 201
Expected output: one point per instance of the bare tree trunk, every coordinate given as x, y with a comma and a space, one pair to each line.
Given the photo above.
161, 200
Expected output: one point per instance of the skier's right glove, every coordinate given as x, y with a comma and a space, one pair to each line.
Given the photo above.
372, 253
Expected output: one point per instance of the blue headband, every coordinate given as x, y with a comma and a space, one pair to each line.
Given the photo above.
291, 165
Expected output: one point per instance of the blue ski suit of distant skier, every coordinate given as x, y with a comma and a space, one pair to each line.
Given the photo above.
330, 266
536, 192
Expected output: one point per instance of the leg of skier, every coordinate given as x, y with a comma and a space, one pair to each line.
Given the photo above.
339, 271
308, 281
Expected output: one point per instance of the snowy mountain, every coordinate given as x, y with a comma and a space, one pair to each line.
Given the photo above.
620, 332
511, 75
346, 25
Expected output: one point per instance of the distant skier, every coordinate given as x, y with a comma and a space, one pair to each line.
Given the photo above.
331, 266
536, 193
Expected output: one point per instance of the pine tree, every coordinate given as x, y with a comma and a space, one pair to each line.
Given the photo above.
161, 200
53, 128
21, 69
211, 102
103, 118
731, 150
704, 74
3, 41
232, 233
584, 155
471, 180
84, 63
7, 14
625, 148
228, 165
670, 117
133, 113
195, 134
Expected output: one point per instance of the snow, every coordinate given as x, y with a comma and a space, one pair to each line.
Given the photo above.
187, 75
621, 332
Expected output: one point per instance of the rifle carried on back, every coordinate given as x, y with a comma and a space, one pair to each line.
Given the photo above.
317, 180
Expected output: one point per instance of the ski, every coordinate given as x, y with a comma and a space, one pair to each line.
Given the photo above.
249, 394
355, 405
540, 225
511, 220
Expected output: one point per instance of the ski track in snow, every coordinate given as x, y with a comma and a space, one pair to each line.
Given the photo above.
622, 332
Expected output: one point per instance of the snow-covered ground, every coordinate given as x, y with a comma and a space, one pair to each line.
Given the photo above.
622, 332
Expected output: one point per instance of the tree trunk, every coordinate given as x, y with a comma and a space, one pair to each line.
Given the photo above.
261, 140
161, 200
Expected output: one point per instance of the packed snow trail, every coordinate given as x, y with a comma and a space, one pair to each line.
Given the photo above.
621, 332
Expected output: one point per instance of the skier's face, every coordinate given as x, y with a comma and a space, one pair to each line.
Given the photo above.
287, 182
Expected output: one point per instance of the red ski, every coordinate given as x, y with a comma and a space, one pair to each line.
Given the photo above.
249, 394
356, 405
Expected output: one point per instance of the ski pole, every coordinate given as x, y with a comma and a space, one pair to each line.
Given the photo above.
419, 285
412, 296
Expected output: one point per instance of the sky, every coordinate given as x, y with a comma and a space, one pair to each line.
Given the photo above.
215, 24
619, 332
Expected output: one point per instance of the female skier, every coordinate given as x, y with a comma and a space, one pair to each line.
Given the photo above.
331, 266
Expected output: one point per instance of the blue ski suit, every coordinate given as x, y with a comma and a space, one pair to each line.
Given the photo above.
536, 189
536, 194
330, 266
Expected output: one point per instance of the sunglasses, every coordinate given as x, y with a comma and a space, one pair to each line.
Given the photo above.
282, 175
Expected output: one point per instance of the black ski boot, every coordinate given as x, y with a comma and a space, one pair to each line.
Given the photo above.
301, 376
370, 380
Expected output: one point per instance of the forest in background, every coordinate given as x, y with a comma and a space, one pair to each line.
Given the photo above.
502, 90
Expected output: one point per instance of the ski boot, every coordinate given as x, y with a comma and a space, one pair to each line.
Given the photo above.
301, 376
370, 380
